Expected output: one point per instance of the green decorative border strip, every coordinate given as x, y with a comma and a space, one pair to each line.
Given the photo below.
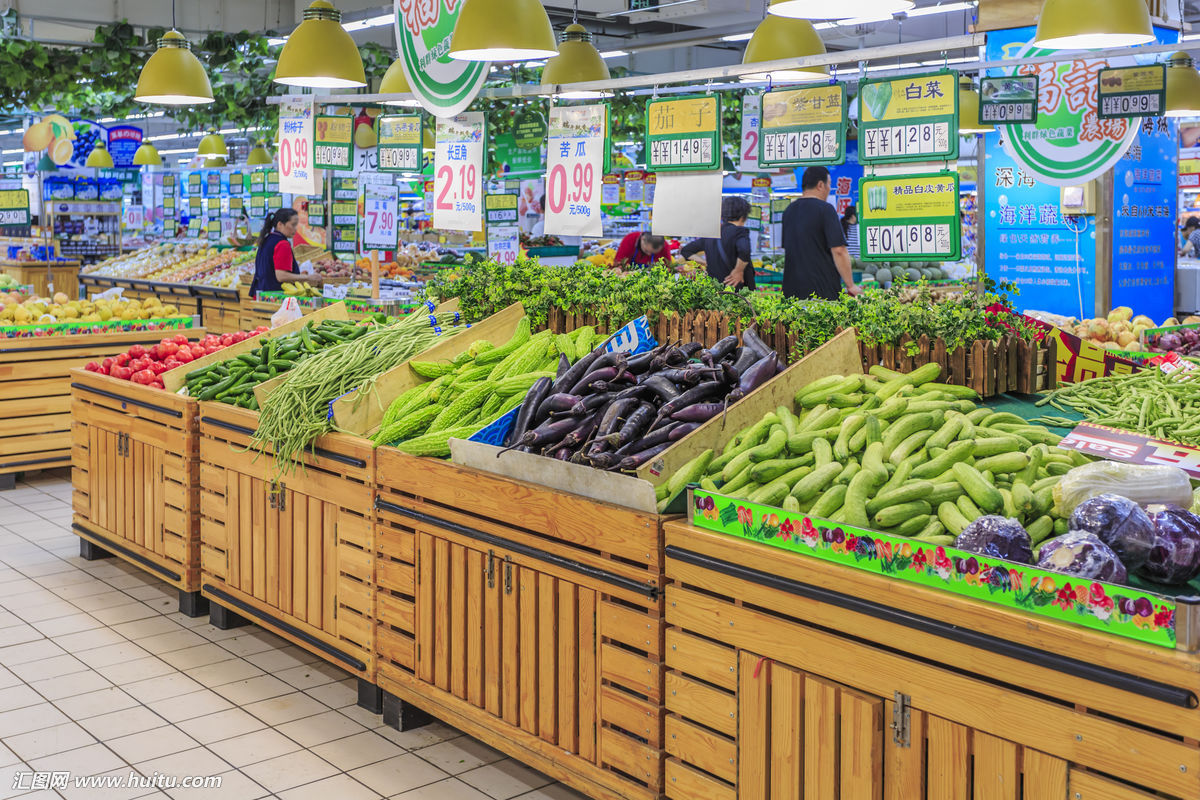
307, 302
76, 328
1112, 608
369, 307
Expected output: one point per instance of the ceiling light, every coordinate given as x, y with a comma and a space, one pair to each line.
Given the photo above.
147, 156
371, 22
99, 157
779, 38
259, 156
944, 8
614, 53
823, 9
968, 108
215, 161
577, 61
173, 75
212, 145
1093, 24
737, 37
1183, 86
396, 82
320, 54
502, 30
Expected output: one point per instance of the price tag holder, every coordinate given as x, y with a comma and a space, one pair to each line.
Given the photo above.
1008, 100
258, 206
345, 213
214, 205
333, 145
910, 217
194, 183
805, 125
751, 125
381, 209
400, 138
237, 182
316, 214
169, 206
345, 239
195, 226
1132, 92
235, 205
14, 207
214, 230
684, 135
195, 205
503, 234
754, 221
345, 189
913, 118
258, 181
274, 203
273, 181
610, 189
635, 186
458, 172
760, 189
575, 170
297, 173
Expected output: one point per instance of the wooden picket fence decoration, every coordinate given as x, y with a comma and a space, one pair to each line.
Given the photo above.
990, 368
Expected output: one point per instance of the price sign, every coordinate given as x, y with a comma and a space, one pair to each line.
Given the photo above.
635, 186
1008, 100
168, 183
503, 234
400, 138
333, 145
345, 189
169, 206
755, 221
345, 239
316, 214
258, 182
575, 169
458, 172
651, 187
214, 205
132, 219
381, 211
910, 217
258, 206
1132, 448
195, 226
751, 123
274, 203
1132, 92
297, 173
760, 189
778, 206
345, 213
501, 209
272, 180
803, 126
195, 205
913, 118
610, 189
212, 184
14, 207
237, 182
235, 205
214, 230
684, 135
194, 183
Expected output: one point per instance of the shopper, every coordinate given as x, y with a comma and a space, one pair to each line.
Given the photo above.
816, 260
1191, 238
727, 259
639, 250
275, 262
850, 230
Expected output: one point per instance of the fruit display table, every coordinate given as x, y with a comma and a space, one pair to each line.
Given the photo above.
64, 275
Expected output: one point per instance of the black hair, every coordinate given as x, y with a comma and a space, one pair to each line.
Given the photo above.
1191, 222
734, 207
813, 176
850, 211
657, 242
280, 217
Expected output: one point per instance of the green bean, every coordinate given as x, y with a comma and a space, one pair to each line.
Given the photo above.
1148, 402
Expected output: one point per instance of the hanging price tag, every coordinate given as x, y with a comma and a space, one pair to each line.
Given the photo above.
684, 135
1132, 92
910, 217
316, 214
610, 190
751, 122
635, 186
1008, 100
333, 145
237, 183
258, 182
458, 172
14, 207
503, 235
296, 172
195, 205
913, 118
214, 205
575, 169
802, 126
214, 230
381, 209
400, 143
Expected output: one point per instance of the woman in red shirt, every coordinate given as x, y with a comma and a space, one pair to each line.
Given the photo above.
275, 263
640, 249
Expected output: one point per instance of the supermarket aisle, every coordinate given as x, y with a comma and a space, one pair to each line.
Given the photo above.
100, 675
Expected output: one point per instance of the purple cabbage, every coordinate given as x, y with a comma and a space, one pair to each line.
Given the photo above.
1118, 522
1170, 341
1082, 554
1175, 555
998, 537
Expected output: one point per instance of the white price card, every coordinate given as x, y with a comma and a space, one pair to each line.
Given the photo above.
751, 123
296, 172
503, 243
687, 204
458, 173
381, 207
575, 170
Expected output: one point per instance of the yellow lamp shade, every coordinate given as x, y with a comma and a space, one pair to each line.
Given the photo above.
396, 82
173, 76
1091, 24
147, 156
215, 161
1183, 87
968, 109
842, 9
99, 157
577, 61
212, 145
502, 30
259, 156
320, 54
783, 37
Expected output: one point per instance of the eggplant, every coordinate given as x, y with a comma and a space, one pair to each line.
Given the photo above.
548, 434
659, 436
641, 362
693, 396
680, 431
723, 348
634, 426
555, 403
562, 454
661, 386
730, 373
689, 375
639, 390
577, 371
588, 404
750, 339
533, 400
691, 348
613, 359
699, 412
582, 433
564, 364
603, 460
758, 374
745, 360
636, 460
604, 374
616, 410
671, 357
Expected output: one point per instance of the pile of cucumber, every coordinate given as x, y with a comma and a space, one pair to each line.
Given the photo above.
893, 452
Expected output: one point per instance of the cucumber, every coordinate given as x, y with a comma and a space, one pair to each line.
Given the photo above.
735, 465
968, 508
802, 442
952, 517
770, 495
822, 451
707, 485
995, 445
1022, 497
978, 488
872, 461
772, 447
909, 492
1057, 470
807, 398
932, 528
854, 509
909, 446
899, 477
892, 409
912, 526
944, 492
841, 446
1009, 509
902, 428
738, 481
788, 420
979, 415
894, 515
1040, 529
956, 452
1003, 463
660, 492
689, 473
846, 400
767, 471
924, 374
947, 433
1037, 455
848, 472
790, 505
1060, 527
816, 482
960, 392
830, 501
827, 418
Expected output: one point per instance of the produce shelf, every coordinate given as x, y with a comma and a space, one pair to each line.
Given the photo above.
65, 275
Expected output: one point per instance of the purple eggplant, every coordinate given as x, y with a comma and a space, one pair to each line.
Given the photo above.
757, 375
602, 460
564, 364
680, 431
689, 375
691, 348
641, 362
582, 433
577, 371
699, 412
634, 461
692, 396
745, 360
661, 386
635, 424
562, 454
723, 348
616, 410
555, 403
533, 400
604, 374
548, 434
659, 436
750, 340
640, 390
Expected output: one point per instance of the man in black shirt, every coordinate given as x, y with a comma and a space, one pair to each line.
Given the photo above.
727, 259
816, 261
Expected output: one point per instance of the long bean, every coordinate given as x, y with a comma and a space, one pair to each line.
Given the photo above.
1150, 402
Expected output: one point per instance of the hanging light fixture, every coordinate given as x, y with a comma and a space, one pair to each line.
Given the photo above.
842, 9
968, 109
259, 156
1092, 24
502, 30
1183, 86
212, 145
320, 54
215, 161
578, 61
99, 157
778, 37
396, 82
173, 76
147, 156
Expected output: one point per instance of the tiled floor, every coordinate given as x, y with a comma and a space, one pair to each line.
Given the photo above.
100, 675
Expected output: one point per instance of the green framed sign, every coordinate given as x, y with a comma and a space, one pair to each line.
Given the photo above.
316, 214
194, 183
801, 126
400, 140
1008, 100
195, 227
778, 206
214, 230
1111, 608
684, 134
237, 182
235, 205
333, 142
214, 205
258, 206
345, 213
274, 203
912, 118
258, 182
272, 180
195, 205
168, 182
345, 189
910, 217
529, 129
169, 206
1132, 92
14, 207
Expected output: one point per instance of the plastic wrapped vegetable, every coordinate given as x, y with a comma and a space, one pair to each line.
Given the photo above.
1118, 522
1140, 483
999, 537
1175, 556
1083, 554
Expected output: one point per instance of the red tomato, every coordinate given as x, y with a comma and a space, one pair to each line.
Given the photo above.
142, 376
122, 373
107, 364
169, 349
172, 363
226, 339
137, 351
158, 367
184, 355
123, 359
158, 385
92, 366
179, 339
198, 351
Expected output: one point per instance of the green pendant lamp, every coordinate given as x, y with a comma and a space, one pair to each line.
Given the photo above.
1093, 24
147, 156
259, 156
1183, 86
173, 76
968, 109
99, 157
396, 82
215, 161
578, 61
320, 54
784, 37
502, 30
212, 145
842, 9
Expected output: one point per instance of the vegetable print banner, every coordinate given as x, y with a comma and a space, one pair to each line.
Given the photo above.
575, 169
458, 173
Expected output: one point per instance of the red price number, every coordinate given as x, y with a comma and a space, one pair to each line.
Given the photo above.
582, 184
380, 220
293, 154
461, 186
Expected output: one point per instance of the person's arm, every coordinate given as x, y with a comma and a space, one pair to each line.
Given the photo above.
841, 260
741, 248
690, 249
282, 260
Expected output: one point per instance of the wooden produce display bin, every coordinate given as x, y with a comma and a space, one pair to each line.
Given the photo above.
526, 617
221, 309
136, 479
65, 275
788, 677
35, 393
292, 553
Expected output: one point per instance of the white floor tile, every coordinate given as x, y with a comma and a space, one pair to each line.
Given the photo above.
251, 748
253, 690
48, 668
398, 774
201, 655
48, 741
285, 708
137, 670
30, 718
90, 760
320, 728
343, 787
125, 722
505, 779
286, 772
171, 641
357, 751
448, 789
70, 684
233, 784
93, 704
19, 696
90, 639
221, 725
188, 706
151, 744
29, 651
172, 684
460, 755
